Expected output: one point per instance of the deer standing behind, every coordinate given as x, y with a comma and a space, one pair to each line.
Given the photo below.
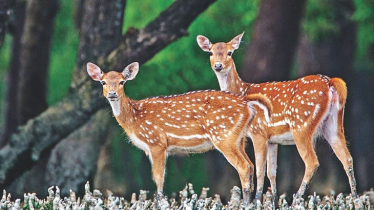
303, 110
193, 122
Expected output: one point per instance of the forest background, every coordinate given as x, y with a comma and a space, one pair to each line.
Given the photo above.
46, 43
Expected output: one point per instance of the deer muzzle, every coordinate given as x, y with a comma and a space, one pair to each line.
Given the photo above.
218, 66
112, 95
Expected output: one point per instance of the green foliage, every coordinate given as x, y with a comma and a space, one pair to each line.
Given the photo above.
4, 63
319, 19
193, 169
63, 53
139, 14
182, 66
320, 22
48, 206
119, 142
5, 53
35, 205
364, 16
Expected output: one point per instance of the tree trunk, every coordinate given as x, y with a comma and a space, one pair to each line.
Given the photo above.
359, 123
99, 33
73, 160
274, 38
35, 47
4, 7
11, 112
78, 12
42, 133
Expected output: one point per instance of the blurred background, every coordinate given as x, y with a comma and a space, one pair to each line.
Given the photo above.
45, 42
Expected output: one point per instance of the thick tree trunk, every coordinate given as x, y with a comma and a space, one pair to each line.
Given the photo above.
100, 31
42, 133
36, 41
359, 123
78, 12
11, 112
274, 38
73, 160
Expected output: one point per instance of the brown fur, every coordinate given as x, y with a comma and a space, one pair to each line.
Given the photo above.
193, 122
302, 108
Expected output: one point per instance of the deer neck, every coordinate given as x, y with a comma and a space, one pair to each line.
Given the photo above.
230, 81
116, 107
123, 110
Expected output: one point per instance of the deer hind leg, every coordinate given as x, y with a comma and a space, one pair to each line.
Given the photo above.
333, 132
272, 169
242, 150
260, 149
158, 160
304, 145
232, 152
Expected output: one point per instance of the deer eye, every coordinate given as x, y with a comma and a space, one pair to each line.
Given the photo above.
229, 53
210, 53
122, 82
103, 82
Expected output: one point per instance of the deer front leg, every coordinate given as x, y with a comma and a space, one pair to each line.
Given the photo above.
244, 168
158, 160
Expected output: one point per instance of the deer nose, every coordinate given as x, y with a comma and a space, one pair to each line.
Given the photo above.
112, 94
218, 66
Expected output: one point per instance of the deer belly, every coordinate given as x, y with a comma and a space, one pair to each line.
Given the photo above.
283, 139
193, 145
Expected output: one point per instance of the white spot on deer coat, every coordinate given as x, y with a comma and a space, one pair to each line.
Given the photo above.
316, 111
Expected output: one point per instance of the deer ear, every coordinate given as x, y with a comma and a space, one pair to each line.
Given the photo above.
94, 72
235, 42
204, 43
130, 71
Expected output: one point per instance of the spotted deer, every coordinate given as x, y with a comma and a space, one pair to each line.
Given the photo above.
303, 110
193, 122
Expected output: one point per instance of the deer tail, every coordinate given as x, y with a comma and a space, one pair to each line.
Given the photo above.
341, 89
262, 102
